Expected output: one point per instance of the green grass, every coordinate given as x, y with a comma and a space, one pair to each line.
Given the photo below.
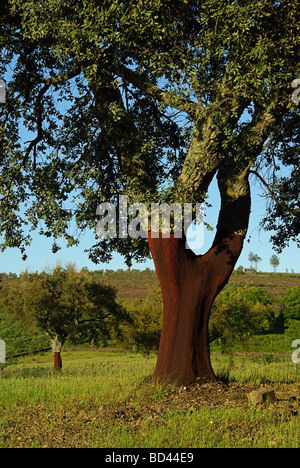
107, 399
256, 369
106, 374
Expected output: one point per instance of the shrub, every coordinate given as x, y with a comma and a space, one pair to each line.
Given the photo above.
143, 333
291, 301
239, 313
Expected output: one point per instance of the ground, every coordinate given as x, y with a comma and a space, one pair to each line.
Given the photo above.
69, 427
122, 407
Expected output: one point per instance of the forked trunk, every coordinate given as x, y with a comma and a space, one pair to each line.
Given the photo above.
189, 286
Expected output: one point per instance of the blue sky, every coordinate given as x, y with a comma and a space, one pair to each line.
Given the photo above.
257, 241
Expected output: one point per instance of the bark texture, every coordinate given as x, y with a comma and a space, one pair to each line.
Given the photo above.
57, 361
189, 285
57, 344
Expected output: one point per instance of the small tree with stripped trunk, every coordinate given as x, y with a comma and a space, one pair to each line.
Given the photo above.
64, 303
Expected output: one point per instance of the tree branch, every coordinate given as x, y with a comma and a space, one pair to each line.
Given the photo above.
95, 319
38, 138
59, 79
282, 205
48, 82
164, 97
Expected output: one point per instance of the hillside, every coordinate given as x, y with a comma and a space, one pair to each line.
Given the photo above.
136, 284
130, 284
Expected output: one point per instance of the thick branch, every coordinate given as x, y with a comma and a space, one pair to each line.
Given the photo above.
59, 79
235, 200
164, 97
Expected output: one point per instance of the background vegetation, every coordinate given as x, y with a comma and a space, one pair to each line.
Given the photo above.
255, 312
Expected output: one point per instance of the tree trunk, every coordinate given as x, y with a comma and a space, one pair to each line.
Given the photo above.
57, 344
57, 361
190, 285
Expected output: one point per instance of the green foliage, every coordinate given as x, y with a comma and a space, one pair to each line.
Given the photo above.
274, 261
292, 331
113, 108
18, 340
291, 301
239, 313
143, 333
63, 303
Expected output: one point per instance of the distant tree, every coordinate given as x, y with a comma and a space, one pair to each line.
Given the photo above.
274, 261
64, 303
254, 258
240, 270
257, 259
251, 258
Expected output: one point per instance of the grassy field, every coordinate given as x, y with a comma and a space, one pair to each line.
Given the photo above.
106, 399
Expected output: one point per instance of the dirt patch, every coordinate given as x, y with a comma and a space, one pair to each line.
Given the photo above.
70, 427
197, 397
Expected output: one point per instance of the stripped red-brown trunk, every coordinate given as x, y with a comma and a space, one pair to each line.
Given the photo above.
57, 361
189, 285
57, 343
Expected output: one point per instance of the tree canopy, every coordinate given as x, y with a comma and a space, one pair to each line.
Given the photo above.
274, 261
63, 302
152, 99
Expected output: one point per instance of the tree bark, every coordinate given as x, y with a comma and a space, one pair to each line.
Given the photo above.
57, 344
189, 286
57, 361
